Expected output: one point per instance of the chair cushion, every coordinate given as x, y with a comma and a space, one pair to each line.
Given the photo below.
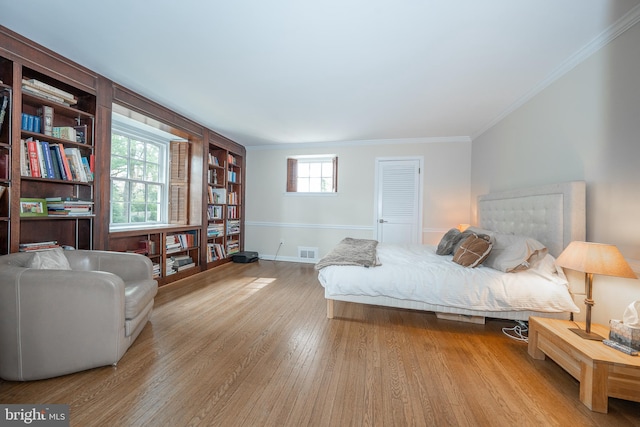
137, 295
52, 259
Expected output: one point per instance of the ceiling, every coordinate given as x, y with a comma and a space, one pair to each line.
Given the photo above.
295, 71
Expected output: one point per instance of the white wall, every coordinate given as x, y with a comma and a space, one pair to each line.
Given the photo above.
585, 126
322, 221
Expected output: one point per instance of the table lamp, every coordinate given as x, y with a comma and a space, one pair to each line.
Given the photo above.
593, 258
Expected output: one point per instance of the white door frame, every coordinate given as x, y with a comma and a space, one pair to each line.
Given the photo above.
376, 200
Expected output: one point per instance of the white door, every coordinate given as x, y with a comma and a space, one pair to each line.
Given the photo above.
399, 200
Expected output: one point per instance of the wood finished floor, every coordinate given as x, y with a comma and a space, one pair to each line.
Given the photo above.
250, 345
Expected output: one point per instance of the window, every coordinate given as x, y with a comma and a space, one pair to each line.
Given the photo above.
138, 175
312, 174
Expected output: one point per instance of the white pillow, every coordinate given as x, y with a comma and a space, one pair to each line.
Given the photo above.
52, 259
513, 253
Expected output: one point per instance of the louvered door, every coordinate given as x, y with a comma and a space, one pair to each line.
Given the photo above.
398, 201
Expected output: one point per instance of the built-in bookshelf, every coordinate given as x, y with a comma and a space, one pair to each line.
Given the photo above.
6, 101
55, 101
173, 251
224, 205
216, 251
56, 155
234, 206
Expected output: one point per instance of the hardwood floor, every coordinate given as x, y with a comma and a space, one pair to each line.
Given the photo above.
250, 345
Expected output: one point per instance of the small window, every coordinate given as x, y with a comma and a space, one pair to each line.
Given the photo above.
312, 174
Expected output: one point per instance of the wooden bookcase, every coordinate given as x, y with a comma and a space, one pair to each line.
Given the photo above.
153, 243
225, 196
96, 99
6, 97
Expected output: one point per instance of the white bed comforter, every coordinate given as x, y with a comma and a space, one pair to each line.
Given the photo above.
416, 273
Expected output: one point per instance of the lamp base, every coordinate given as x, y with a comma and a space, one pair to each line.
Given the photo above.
586, 335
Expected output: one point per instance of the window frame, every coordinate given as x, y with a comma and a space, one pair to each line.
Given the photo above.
293, 176
138, 132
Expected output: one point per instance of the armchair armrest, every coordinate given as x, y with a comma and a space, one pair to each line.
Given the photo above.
129, 266
59, 321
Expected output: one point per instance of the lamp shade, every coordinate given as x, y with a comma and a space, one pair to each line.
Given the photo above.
595, 258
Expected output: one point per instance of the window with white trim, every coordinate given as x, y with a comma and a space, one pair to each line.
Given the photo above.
139, 175
312, 174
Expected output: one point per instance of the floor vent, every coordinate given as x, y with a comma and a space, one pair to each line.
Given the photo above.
307, 253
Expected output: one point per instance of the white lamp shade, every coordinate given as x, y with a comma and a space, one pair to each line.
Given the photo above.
595, 258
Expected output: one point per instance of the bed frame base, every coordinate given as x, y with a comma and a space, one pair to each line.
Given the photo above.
443, 312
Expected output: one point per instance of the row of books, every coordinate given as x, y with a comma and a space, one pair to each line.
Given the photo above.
216, 195
182, 262
31, 123
41, 159
215, 251
214, 212
38, 246
214, 230
233, 198
233, 246
233, 227
51, 93
213, 160
43, 123
4, 106
69, 207
231, 159
232, 176
233, 212
178, 242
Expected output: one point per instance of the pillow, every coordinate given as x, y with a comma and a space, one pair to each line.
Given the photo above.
473, 250
445, 247
53, 259
513, 253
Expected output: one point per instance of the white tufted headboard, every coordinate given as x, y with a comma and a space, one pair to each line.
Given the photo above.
552, 214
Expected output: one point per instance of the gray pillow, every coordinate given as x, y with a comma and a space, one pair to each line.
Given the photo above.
52, 259
450, 238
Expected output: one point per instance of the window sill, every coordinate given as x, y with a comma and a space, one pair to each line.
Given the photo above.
293, 194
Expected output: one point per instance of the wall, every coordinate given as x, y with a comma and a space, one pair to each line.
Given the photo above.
585, 126
322, 221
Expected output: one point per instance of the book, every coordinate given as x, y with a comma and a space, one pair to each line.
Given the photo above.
61, 199
3, 189
87, 168
4, 165
55, 148
3, 109
43, 168
46, 113
64, 162
45, 95
75, 162
24, 159
48, 162
64, 132
34, 165
81, 134
48, 88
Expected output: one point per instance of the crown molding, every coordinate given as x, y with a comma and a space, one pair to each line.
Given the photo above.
607, 36
364, 142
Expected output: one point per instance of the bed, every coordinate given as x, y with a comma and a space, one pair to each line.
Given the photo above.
415, 277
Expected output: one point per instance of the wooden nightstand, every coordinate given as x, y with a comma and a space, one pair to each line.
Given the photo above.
601, 370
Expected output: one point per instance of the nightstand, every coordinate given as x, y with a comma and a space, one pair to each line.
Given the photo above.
603, 372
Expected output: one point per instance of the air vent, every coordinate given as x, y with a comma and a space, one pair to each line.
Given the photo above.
307, 253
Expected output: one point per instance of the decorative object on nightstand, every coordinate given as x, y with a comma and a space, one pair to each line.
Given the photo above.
627, 331
593, 258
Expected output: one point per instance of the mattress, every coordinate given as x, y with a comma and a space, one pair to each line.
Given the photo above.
416, 275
